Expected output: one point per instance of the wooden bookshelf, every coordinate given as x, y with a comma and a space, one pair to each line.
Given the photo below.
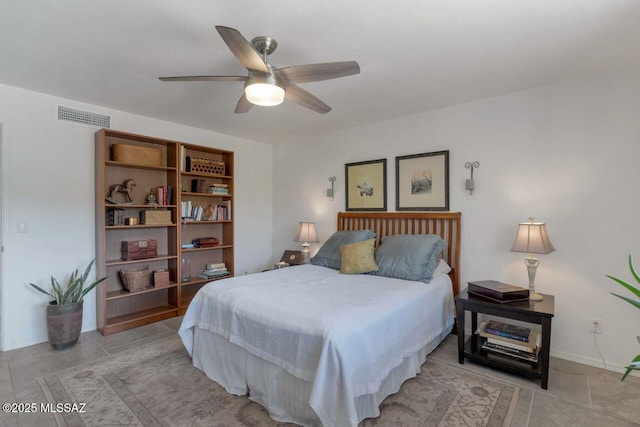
118, 309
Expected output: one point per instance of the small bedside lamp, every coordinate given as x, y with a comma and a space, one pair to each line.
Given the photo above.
306, 233
533, 239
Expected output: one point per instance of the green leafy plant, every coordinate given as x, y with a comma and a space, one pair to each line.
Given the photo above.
74, 291
635, 363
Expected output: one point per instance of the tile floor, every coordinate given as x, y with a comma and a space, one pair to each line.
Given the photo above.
578, 395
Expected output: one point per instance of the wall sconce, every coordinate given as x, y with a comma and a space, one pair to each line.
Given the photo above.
332, 179
470, 184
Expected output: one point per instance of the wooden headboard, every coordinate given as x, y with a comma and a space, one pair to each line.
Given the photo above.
445, 224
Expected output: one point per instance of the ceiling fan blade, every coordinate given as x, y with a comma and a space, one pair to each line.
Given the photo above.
303, 98
243, 104
204, 79
316, 72
242, 49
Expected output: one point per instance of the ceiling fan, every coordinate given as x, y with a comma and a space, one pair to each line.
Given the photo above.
267, 85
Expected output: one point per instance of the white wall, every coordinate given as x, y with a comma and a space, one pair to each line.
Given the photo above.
567, 154
50, 187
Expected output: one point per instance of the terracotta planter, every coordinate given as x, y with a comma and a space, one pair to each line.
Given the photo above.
64, 323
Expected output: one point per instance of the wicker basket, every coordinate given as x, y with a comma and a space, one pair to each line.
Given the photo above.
136, 279
207, 166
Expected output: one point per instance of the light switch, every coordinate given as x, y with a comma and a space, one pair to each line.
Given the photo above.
23, 227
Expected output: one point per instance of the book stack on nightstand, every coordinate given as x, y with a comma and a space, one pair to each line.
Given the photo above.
519, 342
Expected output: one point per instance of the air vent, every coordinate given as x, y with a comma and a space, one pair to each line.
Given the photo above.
82, 117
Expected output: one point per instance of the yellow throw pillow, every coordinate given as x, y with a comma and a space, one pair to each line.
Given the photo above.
358, 257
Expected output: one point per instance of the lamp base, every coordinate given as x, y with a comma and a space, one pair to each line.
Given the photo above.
535, 297
532, 264
305, 253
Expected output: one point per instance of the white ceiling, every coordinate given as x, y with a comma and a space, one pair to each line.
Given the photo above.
414, 55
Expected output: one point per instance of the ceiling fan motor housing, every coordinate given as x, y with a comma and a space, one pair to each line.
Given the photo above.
264, 45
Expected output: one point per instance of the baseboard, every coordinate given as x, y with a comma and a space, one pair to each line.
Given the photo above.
596, 363
26, 343
39, 340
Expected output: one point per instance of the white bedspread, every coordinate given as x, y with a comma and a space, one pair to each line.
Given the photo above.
342, 333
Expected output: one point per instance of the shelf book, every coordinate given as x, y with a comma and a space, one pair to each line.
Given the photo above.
163, 194
214, 270
508, 351
506, 330
220, 212
526, 350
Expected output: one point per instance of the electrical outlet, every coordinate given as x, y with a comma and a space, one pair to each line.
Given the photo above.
595, 325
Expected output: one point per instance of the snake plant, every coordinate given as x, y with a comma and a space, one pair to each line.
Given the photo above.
74, 291
635, 363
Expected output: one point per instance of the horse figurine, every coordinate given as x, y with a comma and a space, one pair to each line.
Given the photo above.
125, 188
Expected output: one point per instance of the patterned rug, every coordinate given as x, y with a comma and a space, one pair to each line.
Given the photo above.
156, 385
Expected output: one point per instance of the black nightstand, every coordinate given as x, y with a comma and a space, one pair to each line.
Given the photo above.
538, 312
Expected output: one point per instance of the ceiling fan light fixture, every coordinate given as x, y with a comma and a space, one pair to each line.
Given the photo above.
264, 94
265, 90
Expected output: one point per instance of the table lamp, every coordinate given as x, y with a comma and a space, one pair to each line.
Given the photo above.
306, 233
533, 239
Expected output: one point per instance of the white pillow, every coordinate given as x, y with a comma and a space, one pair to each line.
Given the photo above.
442, 268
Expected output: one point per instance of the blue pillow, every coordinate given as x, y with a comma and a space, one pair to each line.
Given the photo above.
329, 253
409, 257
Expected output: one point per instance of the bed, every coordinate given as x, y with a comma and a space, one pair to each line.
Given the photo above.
317, 347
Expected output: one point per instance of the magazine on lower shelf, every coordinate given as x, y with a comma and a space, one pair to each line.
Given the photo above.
511, 352
533, 347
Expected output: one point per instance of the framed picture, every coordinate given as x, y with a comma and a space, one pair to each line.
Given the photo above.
422, 182
366, 184
292, 257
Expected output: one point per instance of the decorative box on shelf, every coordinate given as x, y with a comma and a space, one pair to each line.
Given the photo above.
205, 242
139, 249
160, 278
208, 166
136, 154
155, 217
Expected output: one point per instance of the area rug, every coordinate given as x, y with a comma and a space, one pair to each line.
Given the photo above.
156, 385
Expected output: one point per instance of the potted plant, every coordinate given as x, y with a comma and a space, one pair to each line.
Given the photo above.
635, 363
64, 312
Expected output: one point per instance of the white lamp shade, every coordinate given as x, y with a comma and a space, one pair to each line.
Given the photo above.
306, 233
532, 238
264, 94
